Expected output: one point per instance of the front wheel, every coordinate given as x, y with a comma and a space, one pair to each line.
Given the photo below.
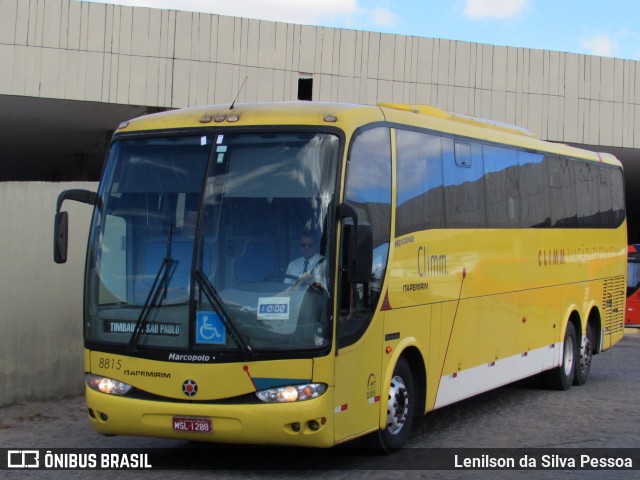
561, 378
400, 409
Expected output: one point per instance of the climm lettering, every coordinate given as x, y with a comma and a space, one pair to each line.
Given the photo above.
548, 258
431, 265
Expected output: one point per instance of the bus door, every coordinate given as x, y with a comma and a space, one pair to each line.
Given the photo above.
358, 367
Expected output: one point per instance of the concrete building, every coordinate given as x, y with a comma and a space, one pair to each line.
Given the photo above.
73, 70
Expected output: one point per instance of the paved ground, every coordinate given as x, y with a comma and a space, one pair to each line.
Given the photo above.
602, 414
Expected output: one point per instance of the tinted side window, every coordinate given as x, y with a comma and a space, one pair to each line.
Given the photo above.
534, 190
420, 200
617, 202
562, 193
587, 194
444, 182
502, 187
605, 196
463, 184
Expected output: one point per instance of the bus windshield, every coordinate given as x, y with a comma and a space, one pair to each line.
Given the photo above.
214, 243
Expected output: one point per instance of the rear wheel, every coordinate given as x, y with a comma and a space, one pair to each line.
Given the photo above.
400, 409
583, 367
561, 378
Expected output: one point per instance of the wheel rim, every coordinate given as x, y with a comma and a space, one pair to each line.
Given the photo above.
397, 406
568, 356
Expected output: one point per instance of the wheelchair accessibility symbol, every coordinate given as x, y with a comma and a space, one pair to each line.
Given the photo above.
210, 329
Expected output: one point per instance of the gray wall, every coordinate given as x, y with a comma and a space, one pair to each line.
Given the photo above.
161, 58
40, 301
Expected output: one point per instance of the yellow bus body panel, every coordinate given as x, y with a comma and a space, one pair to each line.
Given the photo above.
233, 421
259, 424
503, 297
215, 382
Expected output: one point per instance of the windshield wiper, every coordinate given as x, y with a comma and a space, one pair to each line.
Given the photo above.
157, 293
214, 298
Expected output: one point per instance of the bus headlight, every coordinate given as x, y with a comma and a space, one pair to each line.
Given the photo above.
292, 393
107, 385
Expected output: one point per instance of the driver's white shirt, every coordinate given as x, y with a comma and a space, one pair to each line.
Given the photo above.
296, 268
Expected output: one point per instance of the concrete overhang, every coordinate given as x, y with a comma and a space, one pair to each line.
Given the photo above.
56, 140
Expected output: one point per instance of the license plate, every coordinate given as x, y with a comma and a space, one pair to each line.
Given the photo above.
192, 424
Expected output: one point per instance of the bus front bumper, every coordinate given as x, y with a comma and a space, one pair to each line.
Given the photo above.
306, 423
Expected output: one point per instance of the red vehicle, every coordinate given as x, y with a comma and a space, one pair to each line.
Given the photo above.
632, 319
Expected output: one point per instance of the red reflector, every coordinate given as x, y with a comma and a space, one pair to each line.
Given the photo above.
385, 303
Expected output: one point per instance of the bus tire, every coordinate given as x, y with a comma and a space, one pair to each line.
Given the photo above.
583, 366
561, 378
401, 406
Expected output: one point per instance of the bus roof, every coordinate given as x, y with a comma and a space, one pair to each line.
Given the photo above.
349, 117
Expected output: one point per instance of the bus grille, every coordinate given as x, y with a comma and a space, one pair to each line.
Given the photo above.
613, 298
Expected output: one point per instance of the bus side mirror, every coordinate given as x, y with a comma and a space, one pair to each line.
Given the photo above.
358, 253
357, 245
60, 237
61, 220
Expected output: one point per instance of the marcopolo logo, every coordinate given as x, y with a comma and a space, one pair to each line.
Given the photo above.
23, 459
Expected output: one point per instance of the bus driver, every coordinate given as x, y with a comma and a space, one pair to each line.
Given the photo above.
306, 265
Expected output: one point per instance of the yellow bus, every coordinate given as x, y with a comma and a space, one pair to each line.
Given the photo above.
308, 273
